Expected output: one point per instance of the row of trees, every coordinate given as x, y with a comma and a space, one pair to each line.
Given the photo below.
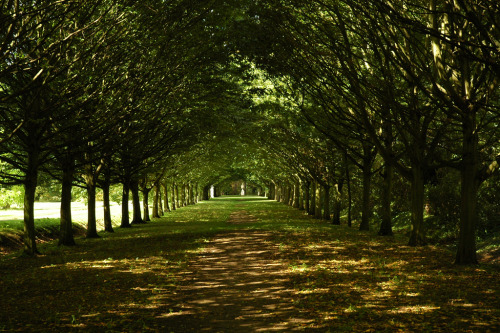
94, 93
415, 82
309, 100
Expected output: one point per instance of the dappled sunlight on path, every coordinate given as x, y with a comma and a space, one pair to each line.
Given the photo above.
237, 285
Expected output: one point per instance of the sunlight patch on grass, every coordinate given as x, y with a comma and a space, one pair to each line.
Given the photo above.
417, 309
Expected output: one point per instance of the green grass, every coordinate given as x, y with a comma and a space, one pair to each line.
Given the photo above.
343, 279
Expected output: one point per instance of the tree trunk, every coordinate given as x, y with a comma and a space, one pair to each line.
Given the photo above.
156, 199
136, 203
145, 204
319, 203
125, 223
191, 193
174, 204
326, 202
417, 234
108, 225
366, 211
337, 203
301, 196
312, 204
91, 210
206, 192
307, 196
30, 184
177, 200
349, 193
183, 196
66, 224
161, 212
466, 249
162, 192
385, 209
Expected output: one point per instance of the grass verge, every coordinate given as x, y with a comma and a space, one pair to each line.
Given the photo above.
345, 280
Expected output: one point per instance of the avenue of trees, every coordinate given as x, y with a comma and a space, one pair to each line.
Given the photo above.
356, 112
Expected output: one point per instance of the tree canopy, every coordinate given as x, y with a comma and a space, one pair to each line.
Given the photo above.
357, 113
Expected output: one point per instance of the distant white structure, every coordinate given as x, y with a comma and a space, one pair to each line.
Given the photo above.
212, 191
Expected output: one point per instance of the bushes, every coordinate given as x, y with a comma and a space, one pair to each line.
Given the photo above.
11, 197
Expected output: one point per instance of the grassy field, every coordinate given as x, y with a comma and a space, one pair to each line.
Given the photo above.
343, 280
13, 218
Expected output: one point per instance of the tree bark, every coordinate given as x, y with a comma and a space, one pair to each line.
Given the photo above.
349, 195
145, 204
125, 222
337, 204
108, 224
177, 199
91, 209
312, 203
301, 196
386, 200
66, 224
156, 200
162, 192
319, 203
326, 202
466, 250
191, 196
307, 196
30, 184
206, 192
366, 211
136, 203
173, 201
417, 233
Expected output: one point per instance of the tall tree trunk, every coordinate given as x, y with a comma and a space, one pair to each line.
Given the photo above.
466, 250
417, 234
183, 195
301, 196
385, 209
163, 205
156, 199
125, 222
108, 224
145, 204
91, 209
312, 203
177, 199
337, 203
319, 203
30, 184
66, 223
276, 192
206, 192
191, 193
349, 198
307, 196
326, 202
136, 202
161, 208
174, 204
366, 211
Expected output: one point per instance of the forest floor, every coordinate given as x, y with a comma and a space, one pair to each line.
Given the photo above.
244, 264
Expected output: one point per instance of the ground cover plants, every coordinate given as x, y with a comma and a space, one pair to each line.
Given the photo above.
275, 269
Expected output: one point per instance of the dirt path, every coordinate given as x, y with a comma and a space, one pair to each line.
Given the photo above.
237, 285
